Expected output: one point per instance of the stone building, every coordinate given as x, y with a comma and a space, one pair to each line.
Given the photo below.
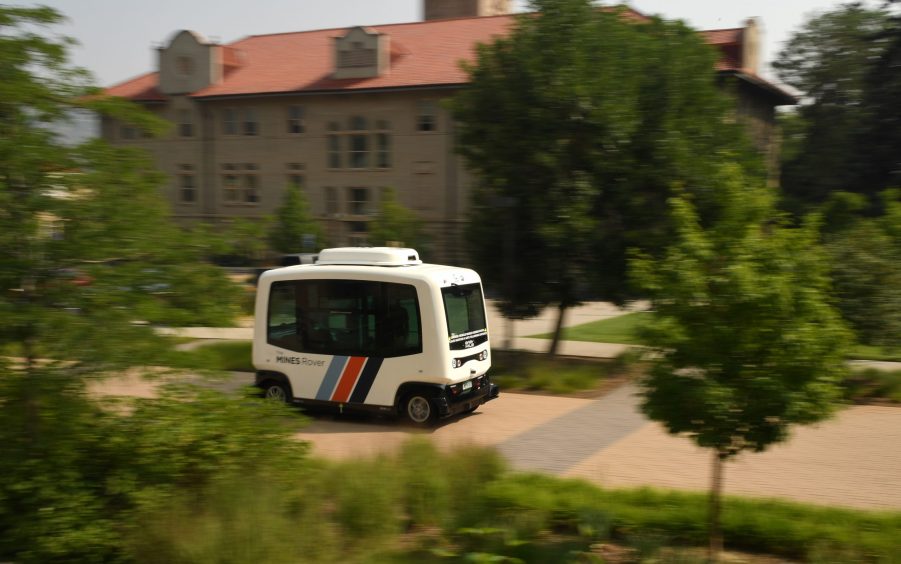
347, 113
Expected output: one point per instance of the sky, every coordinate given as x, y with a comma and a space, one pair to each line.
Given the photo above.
117, 37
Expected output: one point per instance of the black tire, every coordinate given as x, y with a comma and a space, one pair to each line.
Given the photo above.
471, 409
276, 391
418, 409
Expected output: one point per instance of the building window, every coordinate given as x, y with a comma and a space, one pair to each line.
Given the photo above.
187, 190
295, 174
334, 145
230, 121
358, 235
249, 125
365, 148
295, 119
382, 144
251, 193
241, 183
230, 183
184, 65
331, 201
358, 201
358, 149
427, 116
358, 152
185, 124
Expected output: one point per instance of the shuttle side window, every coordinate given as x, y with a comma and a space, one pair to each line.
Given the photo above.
345, 317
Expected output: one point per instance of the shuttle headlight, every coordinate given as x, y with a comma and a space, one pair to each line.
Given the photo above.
456, 363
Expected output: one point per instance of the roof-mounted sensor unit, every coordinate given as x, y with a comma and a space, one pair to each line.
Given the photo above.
370, 256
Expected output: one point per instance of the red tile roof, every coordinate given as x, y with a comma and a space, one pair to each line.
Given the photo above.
422, 54
140, 89
729, 44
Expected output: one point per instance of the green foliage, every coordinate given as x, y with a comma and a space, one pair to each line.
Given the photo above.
396, 225
554, 375
779, 528
75, 473
87, 249
744, 332
866, 273
872, 383
243, 241
880, 164
294, 225
577, 124
231, 356
830, 59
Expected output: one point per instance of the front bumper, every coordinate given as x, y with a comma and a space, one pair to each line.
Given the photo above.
449, 405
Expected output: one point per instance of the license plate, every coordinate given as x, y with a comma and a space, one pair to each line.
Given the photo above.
467, 385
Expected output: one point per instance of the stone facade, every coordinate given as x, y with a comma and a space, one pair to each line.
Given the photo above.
369, 117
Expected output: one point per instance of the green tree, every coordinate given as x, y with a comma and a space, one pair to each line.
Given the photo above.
880, 162
576, 124
395, 224
745, 340
87, 253
294, 229
829, 60
866, 265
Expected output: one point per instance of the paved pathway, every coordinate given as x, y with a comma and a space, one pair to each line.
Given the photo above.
562, 443
853, 460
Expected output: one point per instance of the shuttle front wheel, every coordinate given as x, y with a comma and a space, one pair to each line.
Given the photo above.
419, 409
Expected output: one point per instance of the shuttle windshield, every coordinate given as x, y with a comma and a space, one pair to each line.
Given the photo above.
464, 309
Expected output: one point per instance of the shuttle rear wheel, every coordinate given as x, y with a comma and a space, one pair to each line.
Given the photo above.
276, 391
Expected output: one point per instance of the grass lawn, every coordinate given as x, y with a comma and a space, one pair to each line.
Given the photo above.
622, 330
233, 356
619, 329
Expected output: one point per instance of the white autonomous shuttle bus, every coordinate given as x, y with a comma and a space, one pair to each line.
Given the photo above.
374, 329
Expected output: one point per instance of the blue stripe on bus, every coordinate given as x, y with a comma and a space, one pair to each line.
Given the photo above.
367, 377
331, 377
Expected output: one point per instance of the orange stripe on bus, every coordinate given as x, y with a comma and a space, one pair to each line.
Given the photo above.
349, 378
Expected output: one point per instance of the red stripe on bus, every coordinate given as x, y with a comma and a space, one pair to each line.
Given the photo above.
349, 378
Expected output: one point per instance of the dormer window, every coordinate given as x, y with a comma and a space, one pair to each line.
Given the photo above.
184, 65
361, 53
358, 56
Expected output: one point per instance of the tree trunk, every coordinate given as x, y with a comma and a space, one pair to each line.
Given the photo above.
716, 490
558, 330
508, 338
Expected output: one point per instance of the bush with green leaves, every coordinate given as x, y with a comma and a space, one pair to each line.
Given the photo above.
75, 471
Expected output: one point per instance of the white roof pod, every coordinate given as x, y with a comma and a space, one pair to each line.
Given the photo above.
370, 256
